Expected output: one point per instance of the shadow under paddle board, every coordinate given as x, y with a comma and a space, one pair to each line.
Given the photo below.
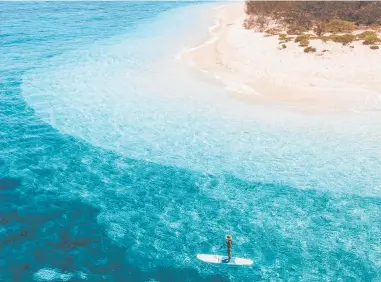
223, 259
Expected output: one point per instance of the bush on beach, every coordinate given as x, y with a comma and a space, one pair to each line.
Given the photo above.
339, 26
249, 22
296, 30
274, 31
371, 40
302, 37
282, 36
366, 34
344, 39
309, 49
320, 28
304, 43
259, 22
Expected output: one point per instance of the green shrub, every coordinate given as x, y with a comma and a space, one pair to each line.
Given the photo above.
304, 43
309, 49
366, 34
324, 38
320, 28
371, 40
273, 31
249, 22
284, 46
296, 30
302, 37
374, 47
336, 26
282, 36
344, 39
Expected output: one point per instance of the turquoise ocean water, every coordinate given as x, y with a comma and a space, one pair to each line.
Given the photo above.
120, 163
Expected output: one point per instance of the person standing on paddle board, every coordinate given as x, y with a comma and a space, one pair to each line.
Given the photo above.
229, 244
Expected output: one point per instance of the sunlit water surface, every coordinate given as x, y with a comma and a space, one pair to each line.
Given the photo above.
120, 163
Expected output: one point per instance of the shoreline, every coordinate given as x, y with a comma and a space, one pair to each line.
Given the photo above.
252, 68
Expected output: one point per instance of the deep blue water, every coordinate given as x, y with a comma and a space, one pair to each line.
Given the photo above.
92, 188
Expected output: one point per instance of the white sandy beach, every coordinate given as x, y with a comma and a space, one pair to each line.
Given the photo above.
254, 68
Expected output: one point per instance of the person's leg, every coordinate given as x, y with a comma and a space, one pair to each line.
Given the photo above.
229, 254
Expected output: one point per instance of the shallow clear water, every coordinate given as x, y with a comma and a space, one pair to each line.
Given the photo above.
120, 163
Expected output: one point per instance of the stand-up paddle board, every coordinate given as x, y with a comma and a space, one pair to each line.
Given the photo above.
223, 259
